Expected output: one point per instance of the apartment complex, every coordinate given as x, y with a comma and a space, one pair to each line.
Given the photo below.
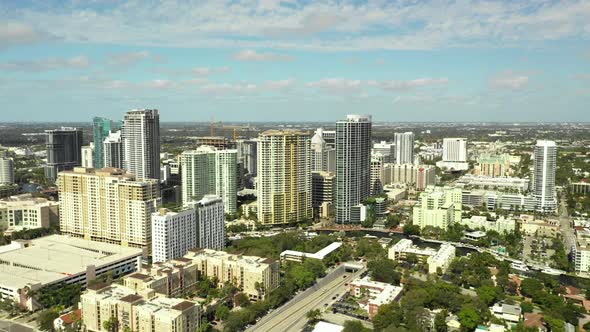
254, 276
494, 182
141, 143
284, 177
581, 250
501, 225
207, 170
379, 293
27, 212
173, 278
437, 260
417, 176
102, 302
438, 207
107, 205
353, 165
454, 154
495, 165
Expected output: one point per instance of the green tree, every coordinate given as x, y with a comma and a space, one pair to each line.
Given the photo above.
383, 270
46, 318
488, 294
354, 326
242, 300
440, 323
314, 316
411, 229
469, 317
388, 315
111, 324
526, 307
221, 312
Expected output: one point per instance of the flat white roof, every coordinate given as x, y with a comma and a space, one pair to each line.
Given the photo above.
55, 257
327, 327
318, 255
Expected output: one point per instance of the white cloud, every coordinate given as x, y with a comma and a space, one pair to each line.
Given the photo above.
411, 84
252, 55
13, 33
316, 25
337, 85
206, 71
510, 80
78, 62
127, 59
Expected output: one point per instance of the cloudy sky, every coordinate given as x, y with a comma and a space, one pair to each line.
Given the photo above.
407, 60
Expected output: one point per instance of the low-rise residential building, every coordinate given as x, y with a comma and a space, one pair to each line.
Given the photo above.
500, 225
29, 265
173, 278
508, 312
495, 165
298, 256
68, 321
580, 187
581, 250
438, 207
27, 212
102, 302
378, 293
254, 276
437, 260
418, 176
531, 226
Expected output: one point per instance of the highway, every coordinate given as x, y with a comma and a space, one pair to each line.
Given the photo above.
290, 317
567, 231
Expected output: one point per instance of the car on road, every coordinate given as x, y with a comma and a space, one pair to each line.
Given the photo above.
325, 304
333, 297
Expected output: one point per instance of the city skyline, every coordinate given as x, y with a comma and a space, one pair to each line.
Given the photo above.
292, 61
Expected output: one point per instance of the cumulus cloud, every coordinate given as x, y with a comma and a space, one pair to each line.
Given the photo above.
13, 33
411, 84
206, 71
341, 85
510, 80
252, 55
337, 85
127, 59
77, 62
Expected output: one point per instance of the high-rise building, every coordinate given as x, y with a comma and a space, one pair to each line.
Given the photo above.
207, 170
141, 143
404, 148
6, 170
64, 151
323, 156
284, 177
417, 176
88, 155
323, 191
247, 155
454, 149
210, 222
545, 164
201, 225
101, 129
377, 171
353, 164
113, 150
107, 205
329, 137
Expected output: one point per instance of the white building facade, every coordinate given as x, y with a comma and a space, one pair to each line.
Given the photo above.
404, 148
141, 143
544, 166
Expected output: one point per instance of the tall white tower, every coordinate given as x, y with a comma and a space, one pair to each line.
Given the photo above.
353, 164
141, 143
545, 163
404, 148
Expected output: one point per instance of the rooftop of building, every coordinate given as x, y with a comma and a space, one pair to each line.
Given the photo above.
318, 255
25, 200
284, 132
55, 257
387, 291
253, 261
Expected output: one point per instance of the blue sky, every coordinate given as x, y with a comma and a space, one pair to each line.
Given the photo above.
296, 60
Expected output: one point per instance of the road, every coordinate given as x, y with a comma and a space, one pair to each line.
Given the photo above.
291, 316
8, 326
567, 231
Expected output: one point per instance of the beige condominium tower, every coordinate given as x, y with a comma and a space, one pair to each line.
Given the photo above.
107, 205
284, 177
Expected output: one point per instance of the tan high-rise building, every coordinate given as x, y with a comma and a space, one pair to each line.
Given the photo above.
102, 302
284, 177
107, 205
